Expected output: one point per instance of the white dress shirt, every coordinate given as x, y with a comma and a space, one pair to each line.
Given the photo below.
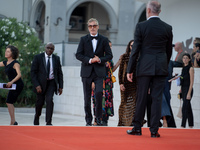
51, 75
94, 45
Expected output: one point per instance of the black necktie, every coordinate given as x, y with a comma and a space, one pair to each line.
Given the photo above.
48, 67
94, 37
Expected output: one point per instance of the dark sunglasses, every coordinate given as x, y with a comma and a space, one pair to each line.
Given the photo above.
51, 48
94, 26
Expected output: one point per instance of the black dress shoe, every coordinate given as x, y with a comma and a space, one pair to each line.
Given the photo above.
88, 124
36, 121
99, 123
49, 124
15, 123
134, 132
155, 135
104, 123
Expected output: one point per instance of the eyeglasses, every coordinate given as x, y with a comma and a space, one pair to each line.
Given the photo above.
51, 48
94, 26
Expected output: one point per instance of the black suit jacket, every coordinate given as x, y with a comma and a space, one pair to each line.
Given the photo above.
39, 72
153, 45
85, 53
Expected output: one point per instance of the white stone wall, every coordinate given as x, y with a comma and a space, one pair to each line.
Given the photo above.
71, 101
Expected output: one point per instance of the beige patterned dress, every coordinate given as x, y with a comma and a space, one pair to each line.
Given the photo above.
128, 97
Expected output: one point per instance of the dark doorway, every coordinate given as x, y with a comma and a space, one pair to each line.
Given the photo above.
77, 20
143, 16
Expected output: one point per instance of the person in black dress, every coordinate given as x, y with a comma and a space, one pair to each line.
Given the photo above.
12, 70
187, 81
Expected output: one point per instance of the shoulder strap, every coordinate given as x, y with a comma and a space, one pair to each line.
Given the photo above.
110, 68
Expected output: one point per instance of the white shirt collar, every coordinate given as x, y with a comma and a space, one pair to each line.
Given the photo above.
152, 17
47, 55
94, 35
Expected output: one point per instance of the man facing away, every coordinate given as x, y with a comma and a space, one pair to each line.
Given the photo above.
93, 51
153, 45
47, 78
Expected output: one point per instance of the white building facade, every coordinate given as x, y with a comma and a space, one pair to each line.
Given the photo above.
63, 22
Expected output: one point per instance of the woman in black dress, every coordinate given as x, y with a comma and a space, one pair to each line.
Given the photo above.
12, 70
187, 80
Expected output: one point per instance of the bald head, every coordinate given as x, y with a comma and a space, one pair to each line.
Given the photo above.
153, 8
178, 46
49, 48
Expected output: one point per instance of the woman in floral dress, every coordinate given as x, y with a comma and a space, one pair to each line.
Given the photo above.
107, 99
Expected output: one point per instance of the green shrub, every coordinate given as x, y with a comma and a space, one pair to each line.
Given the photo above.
25, 39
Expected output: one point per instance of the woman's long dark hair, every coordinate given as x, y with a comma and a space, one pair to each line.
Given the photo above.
128, 50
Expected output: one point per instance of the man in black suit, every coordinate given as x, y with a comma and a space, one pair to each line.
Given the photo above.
153, 45
47, 78
93, 51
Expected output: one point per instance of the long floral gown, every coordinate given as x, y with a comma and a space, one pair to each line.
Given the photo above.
107, 99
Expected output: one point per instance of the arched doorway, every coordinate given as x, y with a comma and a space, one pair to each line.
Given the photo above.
38, 18
80, 16
81, 11
142, 16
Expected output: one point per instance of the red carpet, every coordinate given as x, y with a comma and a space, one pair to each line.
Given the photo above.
87, 138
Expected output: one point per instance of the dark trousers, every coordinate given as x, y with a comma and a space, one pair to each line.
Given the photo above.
166, 92
149, 102
170, 119
157, 86
46, 96
87, 83
187, 109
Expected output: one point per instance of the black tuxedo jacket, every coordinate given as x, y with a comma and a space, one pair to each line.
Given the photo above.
152, 47
85, 53
39, 72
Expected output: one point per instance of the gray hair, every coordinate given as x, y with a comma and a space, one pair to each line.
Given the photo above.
49, 43
155, 6
93, 19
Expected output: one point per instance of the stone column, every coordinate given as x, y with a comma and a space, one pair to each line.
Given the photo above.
27, 4
55, 21
113, 35
67, 28
126, 21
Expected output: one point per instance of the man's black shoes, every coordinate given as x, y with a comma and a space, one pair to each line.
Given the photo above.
88, 124
134, 132
98, 122
155, 135
36, 121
